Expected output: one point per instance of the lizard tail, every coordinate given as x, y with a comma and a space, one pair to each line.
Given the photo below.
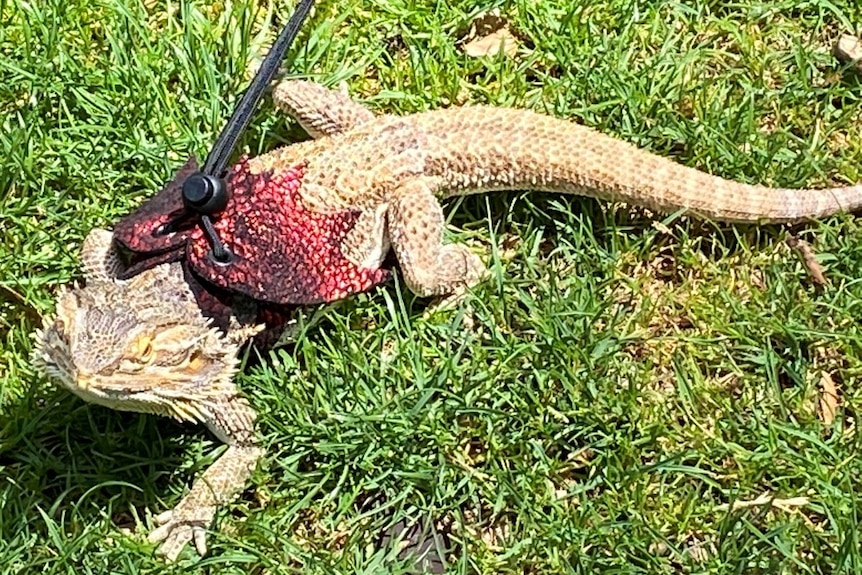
521, 149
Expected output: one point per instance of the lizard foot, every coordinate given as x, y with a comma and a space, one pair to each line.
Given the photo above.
469, 267
453, 272
463, 270
186, 522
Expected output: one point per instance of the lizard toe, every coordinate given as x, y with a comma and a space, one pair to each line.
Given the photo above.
185, 524
163, 518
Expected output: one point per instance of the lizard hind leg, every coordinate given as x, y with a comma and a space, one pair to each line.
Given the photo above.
319, 110
429, 266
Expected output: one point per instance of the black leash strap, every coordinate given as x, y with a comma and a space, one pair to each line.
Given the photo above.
205, 192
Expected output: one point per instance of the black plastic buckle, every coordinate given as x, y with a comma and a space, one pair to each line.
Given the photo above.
205, 193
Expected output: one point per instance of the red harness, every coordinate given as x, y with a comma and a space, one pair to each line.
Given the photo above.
281, 254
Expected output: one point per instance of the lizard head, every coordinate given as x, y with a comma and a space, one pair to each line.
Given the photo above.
137, 345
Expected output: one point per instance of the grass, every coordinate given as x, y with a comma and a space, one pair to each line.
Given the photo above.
624, 382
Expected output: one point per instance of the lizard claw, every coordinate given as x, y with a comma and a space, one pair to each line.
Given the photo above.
180, 526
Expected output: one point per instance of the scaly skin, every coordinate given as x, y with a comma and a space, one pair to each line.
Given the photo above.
395, 169
142, 344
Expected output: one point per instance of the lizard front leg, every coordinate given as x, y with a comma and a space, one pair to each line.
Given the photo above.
233, 421
415, 225
319, 110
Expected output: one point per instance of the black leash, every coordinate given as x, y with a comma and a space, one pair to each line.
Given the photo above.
205, 192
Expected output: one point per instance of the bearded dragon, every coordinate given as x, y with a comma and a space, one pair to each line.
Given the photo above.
141, 344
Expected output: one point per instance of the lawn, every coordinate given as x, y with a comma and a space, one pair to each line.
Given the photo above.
627, 393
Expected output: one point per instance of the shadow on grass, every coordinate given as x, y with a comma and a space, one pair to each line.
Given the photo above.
66, 465
75, 477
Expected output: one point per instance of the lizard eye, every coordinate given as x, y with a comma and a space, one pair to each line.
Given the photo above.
142, 349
